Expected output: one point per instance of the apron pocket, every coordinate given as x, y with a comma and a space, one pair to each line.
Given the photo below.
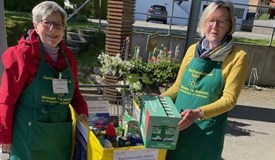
56, 114
207, 126
51, 140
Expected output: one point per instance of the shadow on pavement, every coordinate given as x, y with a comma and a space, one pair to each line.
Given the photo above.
235, 128
253, 113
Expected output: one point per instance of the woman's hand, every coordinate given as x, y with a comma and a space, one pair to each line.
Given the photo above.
5, 147
188, 117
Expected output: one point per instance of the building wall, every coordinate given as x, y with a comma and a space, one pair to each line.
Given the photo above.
252, 8
259, 3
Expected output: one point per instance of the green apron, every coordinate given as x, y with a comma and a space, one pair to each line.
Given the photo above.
202, 83
42, 122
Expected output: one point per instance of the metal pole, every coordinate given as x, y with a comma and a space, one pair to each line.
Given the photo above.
99, 16
272, 35
77, 10
192, 24
171, 17
3, 37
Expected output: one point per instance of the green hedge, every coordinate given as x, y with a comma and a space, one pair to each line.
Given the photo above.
17, 23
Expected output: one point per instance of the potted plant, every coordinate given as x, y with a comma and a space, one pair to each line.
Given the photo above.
142, 77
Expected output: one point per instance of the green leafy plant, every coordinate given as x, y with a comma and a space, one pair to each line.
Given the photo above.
264, 16
142, 77
162, 69
159, 69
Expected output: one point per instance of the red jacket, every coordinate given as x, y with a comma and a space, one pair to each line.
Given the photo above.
20, 67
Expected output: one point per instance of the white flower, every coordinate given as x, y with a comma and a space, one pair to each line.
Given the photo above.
114, 65
134, 86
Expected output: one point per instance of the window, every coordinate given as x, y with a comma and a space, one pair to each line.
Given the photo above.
239, 13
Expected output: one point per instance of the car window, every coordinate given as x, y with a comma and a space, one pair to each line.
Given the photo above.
159, 8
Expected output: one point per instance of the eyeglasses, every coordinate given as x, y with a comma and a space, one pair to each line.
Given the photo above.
219, 22
56, 24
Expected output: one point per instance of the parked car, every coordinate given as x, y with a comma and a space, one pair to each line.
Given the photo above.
157, 13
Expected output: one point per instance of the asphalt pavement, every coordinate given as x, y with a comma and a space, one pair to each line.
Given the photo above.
250, 133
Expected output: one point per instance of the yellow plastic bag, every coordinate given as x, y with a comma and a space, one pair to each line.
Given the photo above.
73, 130
97, 152
83, 134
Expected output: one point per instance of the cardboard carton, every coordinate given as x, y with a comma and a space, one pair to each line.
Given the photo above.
159, 122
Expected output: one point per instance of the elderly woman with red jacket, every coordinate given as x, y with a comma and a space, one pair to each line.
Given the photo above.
38, 84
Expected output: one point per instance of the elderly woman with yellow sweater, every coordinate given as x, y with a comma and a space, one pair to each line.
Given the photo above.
208, 84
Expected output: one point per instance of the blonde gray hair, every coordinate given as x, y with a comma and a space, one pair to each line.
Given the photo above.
211, 8
46, 8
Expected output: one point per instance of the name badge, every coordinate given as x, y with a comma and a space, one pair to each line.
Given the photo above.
60, 86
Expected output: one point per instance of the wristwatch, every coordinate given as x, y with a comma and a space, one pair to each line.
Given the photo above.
201, 115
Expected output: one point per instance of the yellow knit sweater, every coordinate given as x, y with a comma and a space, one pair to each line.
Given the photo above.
234, 71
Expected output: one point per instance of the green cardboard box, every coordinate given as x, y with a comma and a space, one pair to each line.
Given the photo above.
159, 122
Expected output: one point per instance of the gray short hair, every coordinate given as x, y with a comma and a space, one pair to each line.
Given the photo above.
211, 8
46, 8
